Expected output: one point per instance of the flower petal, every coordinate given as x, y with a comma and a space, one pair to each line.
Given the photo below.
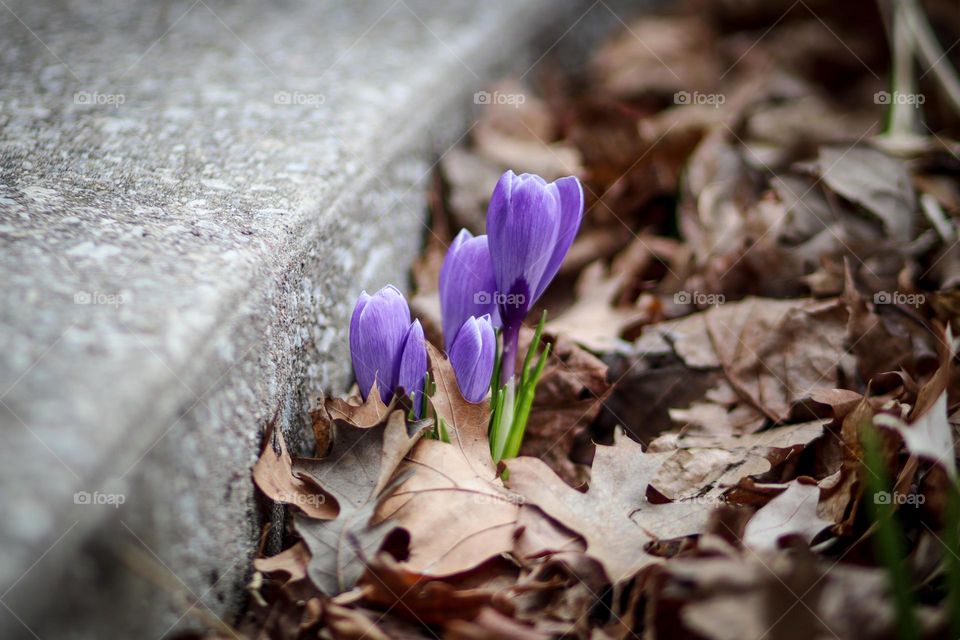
363, 371
522, 227
412, 366
499, 206
467, 284
472, 357
381, 326
571, 215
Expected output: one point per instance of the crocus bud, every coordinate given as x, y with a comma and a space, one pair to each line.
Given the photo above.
412, 367
472, 355
467, 285
383, 342
531, 224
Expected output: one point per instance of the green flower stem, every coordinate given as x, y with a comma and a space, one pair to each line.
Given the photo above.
524, 404
511, 403
439, 431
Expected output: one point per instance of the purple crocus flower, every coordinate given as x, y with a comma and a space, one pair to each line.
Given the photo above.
385, 346
472, 355
467, 284
531, 224
412, 368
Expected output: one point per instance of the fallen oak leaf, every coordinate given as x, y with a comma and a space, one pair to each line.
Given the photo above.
490, 624
283, 616
704, 466
422, 598
721, 417
801, 350
467, 421
793, 513
453, 504
880, 344
874, 180
537, 536
926, 431
841, 401
275, 476
613, 516
930, 435
337, 546
354, 411
772, 354
593, 321
793, 594
721, 605
559, 593
351, 624
290, 562
356, 474
842, 491
570, 394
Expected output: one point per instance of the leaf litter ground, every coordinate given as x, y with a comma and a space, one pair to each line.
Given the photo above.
768, 273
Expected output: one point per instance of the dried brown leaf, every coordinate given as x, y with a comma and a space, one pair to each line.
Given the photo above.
792, 513
351, 624
705, 466
490, 624
657, 55
593, 321
874, 180
772, 353
356, 473
275, 476
569, 396
927, 431
453, 504
538, 536
292, 562
613, 516
356, 412
422, 598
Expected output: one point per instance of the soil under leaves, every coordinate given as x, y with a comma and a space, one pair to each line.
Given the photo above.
767, 274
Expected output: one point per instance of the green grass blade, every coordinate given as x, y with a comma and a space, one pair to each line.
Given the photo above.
952, 540
532, 350
888, 541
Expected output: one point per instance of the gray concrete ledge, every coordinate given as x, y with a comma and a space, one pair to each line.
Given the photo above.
191, 196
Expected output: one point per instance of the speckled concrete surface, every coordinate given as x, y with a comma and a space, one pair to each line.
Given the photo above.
191, 196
